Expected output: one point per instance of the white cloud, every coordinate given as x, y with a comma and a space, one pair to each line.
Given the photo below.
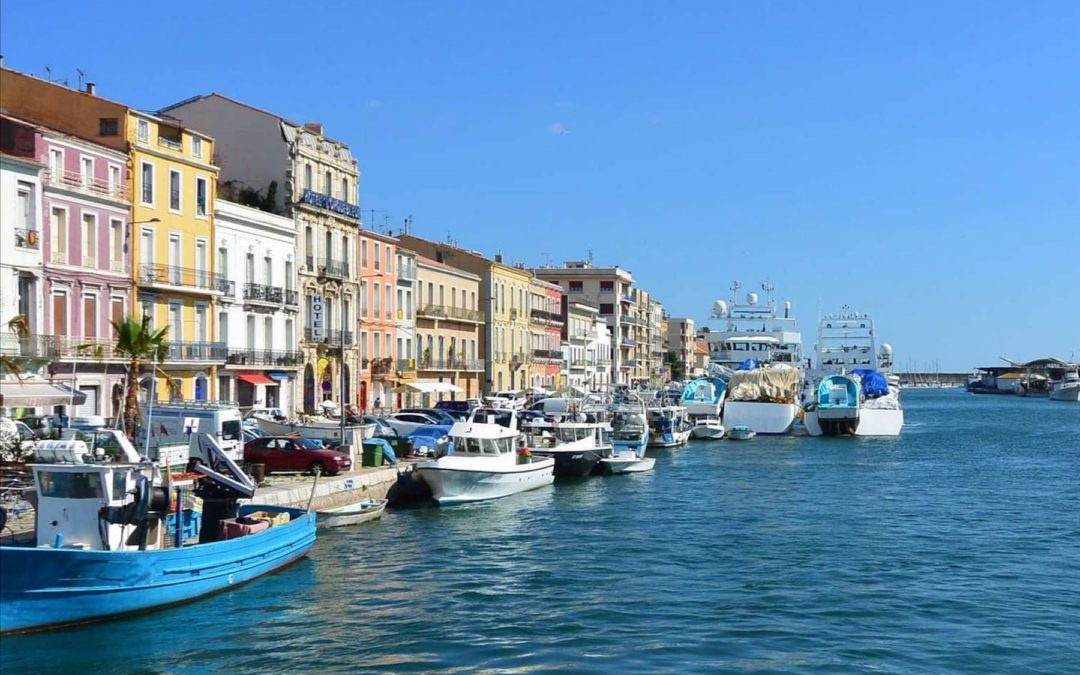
557, 129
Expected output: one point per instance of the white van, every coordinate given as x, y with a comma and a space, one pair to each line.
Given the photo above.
170, 432
555, 406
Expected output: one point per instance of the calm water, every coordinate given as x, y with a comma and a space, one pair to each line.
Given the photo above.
955, 548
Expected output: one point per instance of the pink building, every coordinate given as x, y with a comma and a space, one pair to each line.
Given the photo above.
377, 318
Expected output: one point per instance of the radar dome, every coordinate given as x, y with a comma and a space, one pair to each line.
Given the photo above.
719, 309
751, 298
886, 349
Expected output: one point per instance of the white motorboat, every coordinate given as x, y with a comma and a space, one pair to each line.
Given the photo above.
851, 391
318, 427
741, 432
575, 446
629, 438
668, 426
1068, 388
487, 461
708, 428
351, 514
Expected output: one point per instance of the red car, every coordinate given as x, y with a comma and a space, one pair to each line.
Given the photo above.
288, 453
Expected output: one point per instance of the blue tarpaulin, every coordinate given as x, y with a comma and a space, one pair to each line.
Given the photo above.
874, 383
748, 364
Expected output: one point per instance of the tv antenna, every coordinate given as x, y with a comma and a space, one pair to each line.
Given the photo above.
81, 76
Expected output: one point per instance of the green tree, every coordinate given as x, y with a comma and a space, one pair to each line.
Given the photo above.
139, 342
678, 368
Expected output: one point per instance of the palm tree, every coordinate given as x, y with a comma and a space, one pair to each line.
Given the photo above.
21, 328
139, 341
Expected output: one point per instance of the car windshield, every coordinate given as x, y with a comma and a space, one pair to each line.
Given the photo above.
310, 443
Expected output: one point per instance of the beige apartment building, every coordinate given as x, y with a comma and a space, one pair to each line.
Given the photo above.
449, 332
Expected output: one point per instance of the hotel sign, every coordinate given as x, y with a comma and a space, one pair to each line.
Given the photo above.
318, 320
330, 204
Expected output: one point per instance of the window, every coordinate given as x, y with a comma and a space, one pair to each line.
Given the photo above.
116, 244
87, 172
607, 308
288, 275
389, 256
268, 333
89, 240
143, 131
223, 262
363, 253
60, 312
328, 185
56, 164
607, 286
377, 295
249, 268
116, 310
174, 190
363, 299
90, 315
307, 176
363, 348
345, 189
223, 327
389, 345
114, 179
290, 339
389, 305
108, 126
196, 146
60, 232
249, 324
148, 183
25, 206
200, 196
376, 256
268, 271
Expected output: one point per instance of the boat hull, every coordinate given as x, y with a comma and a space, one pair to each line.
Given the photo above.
669, 439
763, 418
43, 587
1071, 394
353, 514
707, 432
324, 430
458, 486
871, 422
573, 463
619, 465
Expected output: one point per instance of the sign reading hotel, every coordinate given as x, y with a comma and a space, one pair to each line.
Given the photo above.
330, 204
318, 326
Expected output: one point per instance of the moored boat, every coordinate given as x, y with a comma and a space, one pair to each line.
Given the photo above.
487, 461
708, 428
326, 429
576, 447
668, 426
740, 432
101, 548
1067, 389
629, 439
351, 514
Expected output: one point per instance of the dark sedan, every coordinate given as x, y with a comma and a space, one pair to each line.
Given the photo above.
288, 453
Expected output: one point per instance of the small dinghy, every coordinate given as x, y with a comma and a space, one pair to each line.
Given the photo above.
741, 432
708, 428
351, 514
626, 461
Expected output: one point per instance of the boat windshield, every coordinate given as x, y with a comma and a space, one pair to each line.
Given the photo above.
70, 484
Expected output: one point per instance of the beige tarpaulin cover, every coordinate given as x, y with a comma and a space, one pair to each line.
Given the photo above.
773, 385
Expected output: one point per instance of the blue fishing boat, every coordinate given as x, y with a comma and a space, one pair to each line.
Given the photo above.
629, 438
838, 403
102, 547
703, 399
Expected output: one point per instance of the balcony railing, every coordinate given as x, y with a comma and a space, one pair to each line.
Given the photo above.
227, 287
27, 238
543, 315
60, 347
627, 298
451, 313
520, 357
72, 180
187, 277
264, 357
630, 363
451, 364
406, 365
628, 342
292, 297
406, 272
337, 269
548, 354
197, 351
263, 293
330, 338
171, 143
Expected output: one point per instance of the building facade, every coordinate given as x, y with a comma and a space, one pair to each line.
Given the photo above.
298, 171
405, 325
172, 236
545, 333
587, 348
378, 285
449, 331
258, 316
86, 213
609, 290
680, 339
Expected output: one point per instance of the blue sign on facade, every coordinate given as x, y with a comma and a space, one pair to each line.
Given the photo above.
330, 204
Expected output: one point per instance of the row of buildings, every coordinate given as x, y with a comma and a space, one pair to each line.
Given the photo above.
241, 232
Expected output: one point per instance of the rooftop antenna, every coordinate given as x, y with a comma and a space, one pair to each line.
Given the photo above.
48, 73
81, 76
735, 286
768, 288
408, 222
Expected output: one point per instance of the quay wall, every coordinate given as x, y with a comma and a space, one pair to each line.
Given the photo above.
331, 491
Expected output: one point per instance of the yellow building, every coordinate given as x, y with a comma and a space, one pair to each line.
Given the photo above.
172, 249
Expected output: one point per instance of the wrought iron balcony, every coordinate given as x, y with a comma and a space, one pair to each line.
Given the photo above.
292, 297
406, 272
382, 366
451, 364
548, 354
73, 180
197, 351
60, 347
264, 357
335, 269
171, 143
263, 293
331, 338
545, 316
406, 365
184, 277
27, 238
449, 313
520, 357
227, 287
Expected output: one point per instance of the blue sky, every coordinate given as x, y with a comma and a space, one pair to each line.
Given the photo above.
920, 162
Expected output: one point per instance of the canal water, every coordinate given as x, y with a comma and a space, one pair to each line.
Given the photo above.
954, 548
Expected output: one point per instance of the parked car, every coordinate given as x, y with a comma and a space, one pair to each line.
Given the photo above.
460, 405
404, 422
382, 428
440, 416
251, 433
288, 453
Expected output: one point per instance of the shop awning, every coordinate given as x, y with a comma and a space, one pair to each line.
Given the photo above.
256, 378
278, 374
428, 388
33, 394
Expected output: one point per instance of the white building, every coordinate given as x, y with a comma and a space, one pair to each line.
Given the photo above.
586, 347
21, 289
257, 317
405, 319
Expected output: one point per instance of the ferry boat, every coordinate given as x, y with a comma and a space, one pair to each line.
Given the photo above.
487, 461
101, 548
851, 391
756, 338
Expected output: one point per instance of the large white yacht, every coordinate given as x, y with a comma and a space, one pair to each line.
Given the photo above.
849, 390
487, 461
764, 347
1068, 388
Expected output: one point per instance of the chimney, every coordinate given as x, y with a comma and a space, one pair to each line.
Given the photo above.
498, 257
314, 127
91, 88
